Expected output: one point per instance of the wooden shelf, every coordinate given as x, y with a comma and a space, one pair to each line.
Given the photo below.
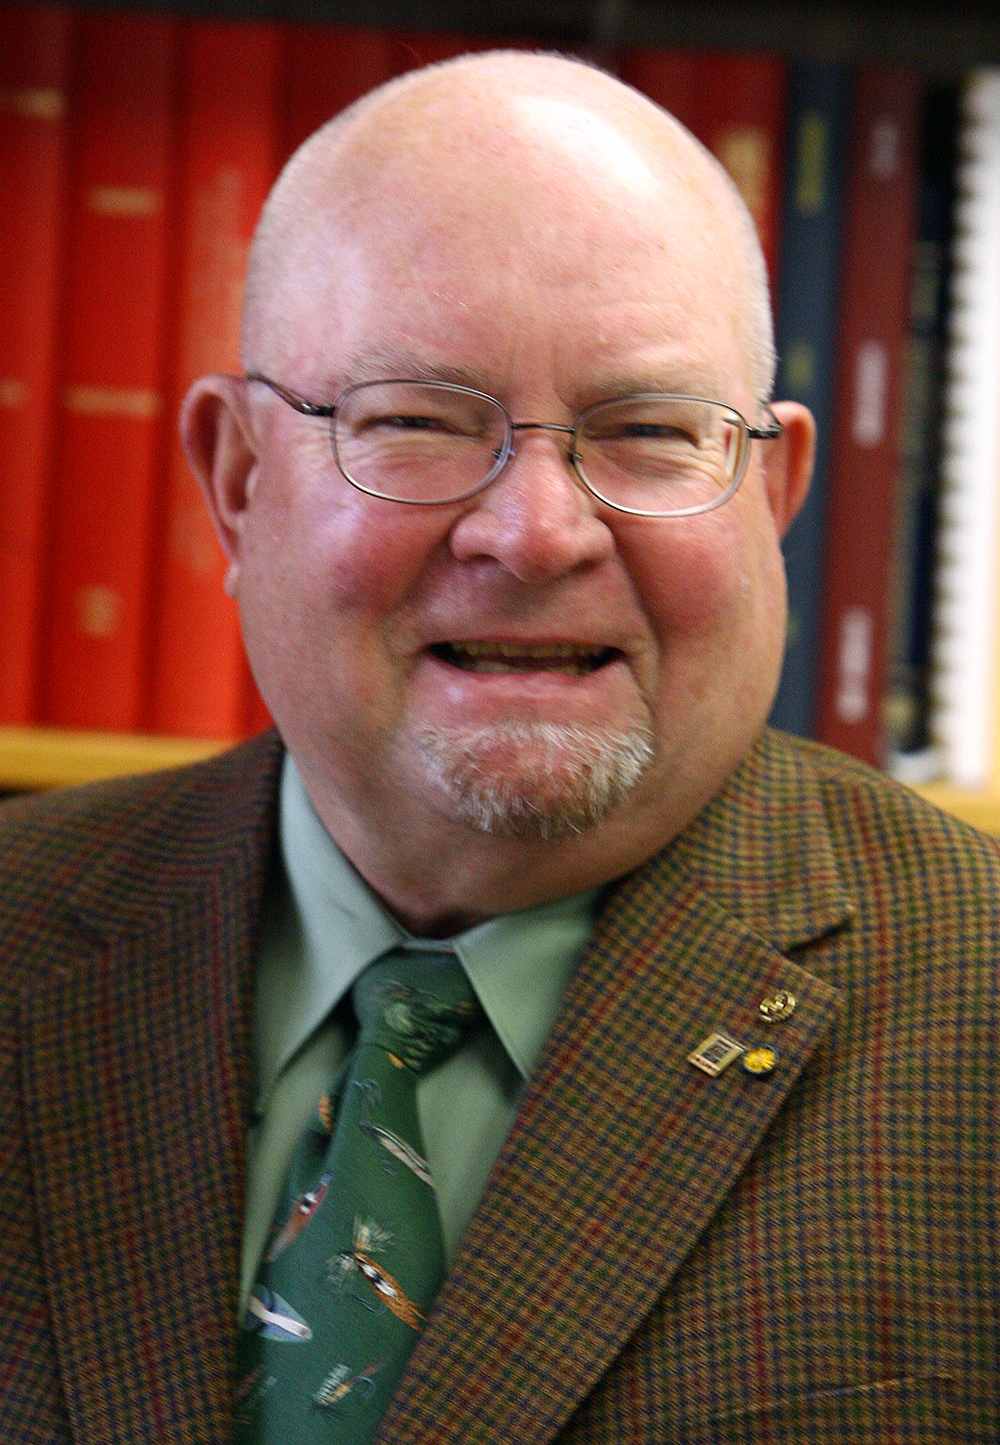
980, 808
34, 758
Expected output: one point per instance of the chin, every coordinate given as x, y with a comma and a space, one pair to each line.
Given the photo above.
534, 779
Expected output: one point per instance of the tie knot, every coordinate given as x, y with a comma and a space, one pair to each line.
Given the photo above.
417, 1005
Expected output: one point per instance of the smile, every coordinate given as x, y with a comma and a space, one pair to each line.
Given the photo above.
500, 657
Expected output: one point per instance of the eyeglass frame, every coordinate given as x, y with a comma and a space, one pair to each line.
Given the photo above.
328, 411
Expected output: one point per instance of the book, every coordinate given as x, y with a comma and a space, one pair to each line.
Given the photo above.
35, 55
111, 406
413, 49
735, 104
861, 490
965, 708
739, 114
230, 150
911, 754
324, 69
805, 335
667, 77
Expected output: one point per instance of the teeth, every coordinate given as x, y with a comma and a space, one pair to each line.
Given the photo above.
498, 657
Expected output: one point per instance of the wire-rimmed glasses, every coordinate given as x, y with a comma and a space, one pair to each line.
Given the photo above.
427, 443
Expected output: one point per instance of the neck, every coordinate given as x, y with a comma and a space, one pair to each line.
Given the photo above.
439, 877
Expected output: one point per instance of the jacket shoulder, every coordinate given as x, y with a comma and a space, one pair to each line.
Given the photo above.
76, 825
909, 861
853, 788
106, 848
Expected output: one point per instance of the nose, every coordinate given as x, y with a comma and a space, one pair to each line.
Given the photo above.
536, 519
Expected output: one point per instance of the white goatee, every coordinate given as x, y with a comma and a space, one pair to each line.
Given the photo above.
535, 779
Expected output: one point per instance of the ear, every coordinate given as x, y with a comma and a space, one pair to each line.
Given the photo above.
788, 462
223, 453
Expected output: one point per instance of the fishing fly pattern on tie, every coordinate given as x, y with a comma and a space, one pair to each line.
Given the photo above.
356, 1257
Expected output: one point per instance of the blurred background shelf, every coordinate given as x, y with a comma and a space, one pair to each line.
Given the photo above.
981, 809
36, 758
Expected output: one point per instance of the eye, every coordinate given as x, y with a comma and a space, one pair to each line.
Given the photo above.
399, 422
446, 421
654, 431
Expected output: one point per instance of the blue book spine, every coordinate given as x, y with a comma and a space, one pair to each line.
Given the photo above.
806, 325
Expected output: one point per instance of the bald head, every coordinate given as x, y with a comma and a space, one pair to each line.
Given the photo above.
460, 136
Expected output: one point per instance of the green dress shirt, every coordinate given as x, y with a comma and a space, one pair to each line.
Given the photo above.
322, 926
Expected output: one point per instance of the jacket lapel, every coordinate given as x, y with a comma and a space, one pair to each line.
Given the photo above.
623, 1151
135, 1078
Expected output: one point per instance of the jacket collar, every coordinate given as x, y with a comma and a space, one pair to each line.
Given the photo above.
763, 849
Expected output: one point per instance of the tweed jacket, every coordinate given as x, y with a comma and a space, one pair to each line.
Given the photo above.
808, 1254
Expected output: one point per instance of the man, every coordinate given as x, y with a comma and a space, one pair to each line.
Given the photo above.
502, 500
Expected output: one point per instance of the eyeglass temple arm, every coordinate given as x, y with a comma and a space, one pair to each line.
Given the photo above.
299, 403
766, 433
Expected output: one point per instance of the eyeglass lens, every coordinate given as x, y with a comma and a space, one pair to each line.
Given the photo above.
414, 441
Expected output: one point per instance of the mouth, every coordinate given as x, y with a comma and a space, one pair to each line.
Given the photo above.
513, 657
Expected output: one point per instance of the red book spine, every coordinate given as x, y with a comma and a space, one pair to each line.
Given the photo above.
666, 77
109, 448
740, 102
230, 150
417, 48
327, 67
862, 483
735, 105
35, 43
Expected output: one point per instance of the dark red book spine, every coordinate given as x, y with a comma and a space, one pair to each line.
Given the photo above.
35, 52
735, 104
861, 498
111, 411
667, 77
230, 150
740, 105
325, 68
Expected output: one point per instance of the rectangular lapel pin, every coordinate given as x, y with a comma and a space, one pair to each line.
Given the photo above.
716, 1053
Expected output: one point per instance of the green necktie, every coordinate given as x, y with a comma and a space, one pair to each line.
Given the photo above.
357, 1256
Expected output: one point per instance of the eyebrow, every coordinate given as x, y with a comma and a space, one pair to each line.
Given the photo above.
385, 364
669, 382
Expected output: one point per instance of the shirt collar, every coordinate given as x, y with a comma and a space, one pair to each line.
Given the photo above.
327, 926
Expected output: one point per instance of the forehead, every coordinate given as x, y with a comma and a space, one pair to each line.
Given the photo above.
539, 222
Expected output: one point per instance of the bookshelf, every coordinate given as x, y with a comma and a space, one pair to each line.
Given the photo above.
981, 809
33, 759
944, 39
36, 758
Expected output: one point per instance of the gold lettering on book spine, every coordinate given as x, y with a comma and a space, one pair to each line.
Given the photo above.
124, 201
37, 103
138, 403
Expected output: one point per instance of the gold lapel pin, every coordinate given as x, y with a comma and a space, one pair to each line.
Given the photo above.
777, 1006
716, 1053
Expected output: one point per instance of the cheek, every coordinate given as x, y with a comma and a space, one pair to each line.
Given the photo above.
713, 592
693, 579
329, 554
